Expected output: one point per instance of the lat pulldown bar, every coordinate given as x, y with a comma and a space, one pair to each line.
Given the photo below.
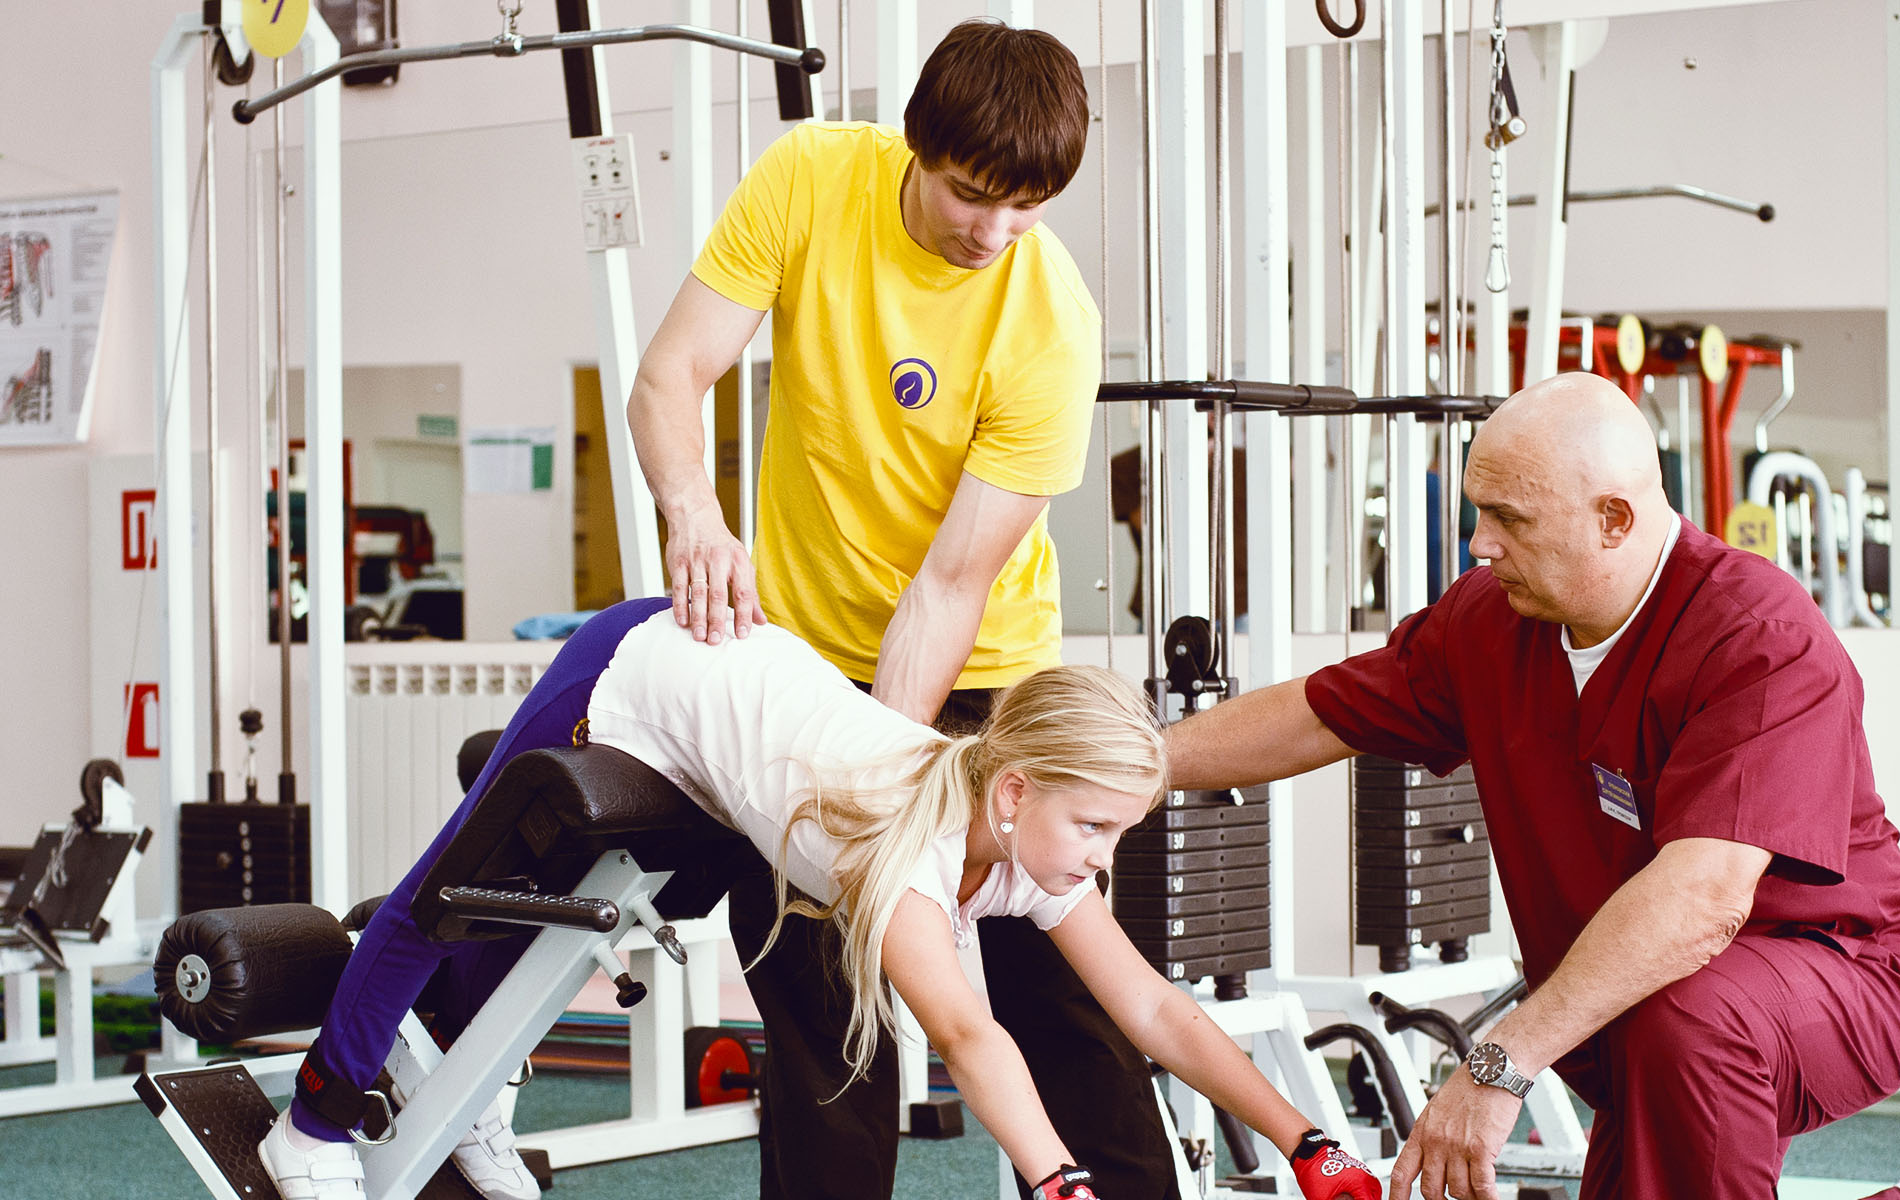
810, 59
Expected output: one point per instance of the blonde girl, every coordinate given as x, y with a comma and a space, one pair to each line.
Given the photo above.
904, 838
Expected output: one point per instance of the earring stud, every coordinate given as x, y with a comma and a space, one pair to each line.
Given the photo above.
1007, 825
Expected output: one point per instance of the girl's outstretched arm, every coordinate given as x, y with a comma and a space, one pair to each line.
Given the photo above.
920, 959
1170, 1027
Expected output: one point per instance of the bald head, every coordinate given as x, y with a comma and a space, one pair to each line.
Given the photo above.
1571, 511
1579, 436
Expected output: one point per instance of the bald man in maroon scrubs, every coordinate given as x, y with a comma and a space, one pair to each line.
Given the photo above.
1667, 739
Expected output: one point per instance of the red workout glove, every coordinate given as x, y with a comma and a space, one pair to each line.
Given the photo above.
1069, 1183
1325, 1172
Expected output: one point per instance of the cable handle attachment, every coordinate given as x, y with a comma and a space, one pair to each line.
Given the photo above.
508, 43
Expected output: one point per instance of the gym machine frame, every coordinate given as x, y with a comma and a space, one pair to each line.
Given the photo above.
546, 812
1382, 1012
76, 917
1174, 194
588, 109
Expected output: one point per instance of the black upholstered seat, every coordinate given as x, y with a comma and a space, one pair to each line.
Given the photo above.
551, 813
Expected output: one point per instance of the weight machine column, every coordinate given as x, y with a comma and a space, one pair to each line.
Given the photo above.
171, 407
1317, 545
1182, 526
1268, 350
692, 174
589, 114
897, 59
323, 510
1406, 453
1556, 48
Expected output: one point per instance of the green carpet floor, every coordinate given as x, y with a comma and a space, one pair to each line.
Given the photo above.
121, 1151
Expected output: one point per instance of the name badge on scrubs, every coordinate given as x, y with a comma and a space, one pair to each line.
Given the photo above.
1616, 797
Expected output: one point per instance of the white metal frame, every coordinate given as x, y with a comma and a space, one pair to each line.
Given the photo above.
447, 1091
323, 416
70, 1049
657, 1024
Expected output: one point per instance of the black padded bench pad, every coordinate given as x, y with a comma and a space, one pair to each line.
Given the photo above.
550, 813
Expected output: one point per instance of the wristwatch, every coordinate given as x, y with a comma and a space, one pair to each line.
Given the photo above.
1491, 1066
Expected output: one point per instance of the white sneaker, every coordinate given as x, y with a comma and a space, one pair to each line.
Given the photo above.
487, 1158
331, 1172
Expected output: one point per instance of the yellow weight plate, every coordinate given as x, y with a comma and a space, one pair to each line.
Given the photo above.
1632, 345
274, 27
1712, 353
1751, 527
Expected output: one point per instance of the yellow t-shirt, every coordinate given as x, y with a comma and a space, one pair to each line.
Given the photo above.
893, 372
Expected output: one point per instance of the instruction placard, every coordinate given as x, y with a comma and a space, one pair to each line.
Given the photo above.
55, 254
509, 460
609, 191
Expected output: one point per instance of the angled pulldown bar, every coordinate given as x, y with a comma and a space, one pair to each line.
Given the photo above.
809, 59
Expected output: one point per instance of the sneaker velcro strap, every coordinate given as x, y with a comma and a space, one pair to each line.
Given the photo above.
324, 1166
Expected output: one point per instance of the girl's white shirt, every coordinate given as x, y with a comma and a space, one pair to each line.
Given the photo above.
741, 726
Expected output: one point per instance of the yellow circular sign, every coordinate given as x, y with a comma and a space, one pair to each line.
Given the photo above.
1751, 527
1632, 345
1712, 354
274, 27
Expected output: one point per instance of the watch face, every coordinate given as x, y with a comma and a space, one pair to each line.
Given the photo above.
1486, 1062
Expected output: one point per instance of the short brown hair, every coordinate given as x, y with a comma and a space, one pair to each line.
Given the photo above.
1007, 105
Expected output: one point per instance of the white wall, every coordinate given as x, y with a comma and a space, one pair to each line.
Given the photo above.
460, 249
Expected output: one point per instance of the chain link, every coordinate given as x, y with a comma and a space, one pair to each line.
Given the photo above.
1497, 272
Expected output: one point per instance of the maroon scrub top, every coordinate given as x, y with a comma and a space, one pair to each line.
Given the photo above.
1728, 705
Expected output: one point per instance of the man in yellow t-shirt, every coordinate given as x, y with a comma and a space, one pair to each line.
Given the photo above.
935, 362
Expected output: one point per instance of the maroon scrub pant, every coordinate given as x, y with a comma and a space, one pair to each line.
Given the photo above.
1699, 1088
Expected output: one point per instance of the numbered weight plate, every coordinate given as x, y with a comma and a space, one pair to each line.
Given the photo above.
1631, 343
1712, 354
274, 27
1751, 527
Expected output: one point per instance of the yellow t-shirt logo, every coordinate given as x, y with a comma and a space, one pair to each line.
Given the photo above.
913, 382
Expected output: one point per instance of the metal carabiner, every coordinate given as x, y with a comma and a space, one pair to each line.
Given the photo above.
389, 1123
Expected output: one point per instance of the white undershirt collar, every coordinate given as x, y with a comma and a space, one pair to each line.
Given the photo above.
1583, 663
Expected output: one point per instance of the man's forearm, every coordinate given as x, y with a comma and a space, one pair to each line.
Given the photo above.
1267, 734
1664, 924
669, 439
925, 648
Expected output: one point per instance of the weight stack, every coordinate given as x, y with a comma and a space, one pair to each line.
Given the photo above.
235, 854
1191, 884
1424, 860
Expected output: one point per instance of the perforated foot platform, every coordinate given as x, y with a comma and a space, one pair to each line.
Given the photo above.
218, 1115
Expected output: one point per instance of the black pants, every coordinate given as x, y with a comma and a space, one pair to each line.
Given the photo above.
1093, 1082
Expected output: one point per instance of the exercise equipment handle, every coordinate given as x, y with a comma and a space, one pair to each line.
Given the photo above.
1429, 406
1245, 394
1688, 191
809, 59
1399, 1018
1390, 1085
531, 908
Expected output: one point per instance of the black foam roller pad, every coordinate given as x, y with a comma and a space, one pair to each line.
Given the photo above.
267, 968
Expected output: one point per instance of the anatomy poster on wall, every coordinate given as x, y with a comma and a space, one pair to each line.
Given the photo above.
54, 255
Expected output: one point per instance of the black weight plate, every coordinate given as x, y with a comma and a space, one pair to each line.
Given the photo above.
1422, 816
1422, 856
1163, 883
1159, 907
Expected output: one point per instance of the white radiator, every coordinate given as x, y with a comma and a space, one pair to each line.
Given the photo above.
405, 720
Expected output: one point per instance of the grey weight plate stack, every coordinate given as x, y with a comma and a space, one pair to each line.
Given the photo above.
1191, 884
1422, 858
